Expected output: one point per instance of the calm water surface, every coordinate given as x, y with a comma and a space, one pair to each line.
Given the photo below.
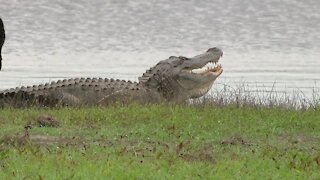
268, 45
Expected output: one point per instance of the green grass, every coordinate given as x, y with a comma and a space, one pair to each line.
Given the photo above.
161, 142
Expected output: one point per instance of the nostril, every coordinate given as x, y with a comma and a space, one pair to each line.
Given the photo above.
214, 49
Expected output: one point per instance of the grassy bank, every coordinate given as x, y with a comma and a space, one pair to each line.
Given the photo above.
160, 142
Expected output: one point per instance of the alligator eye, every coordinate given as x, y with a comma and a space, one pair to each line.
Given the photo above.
183, 58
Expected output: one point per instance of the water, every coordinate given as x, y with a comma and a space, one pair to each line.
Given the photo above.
268, 45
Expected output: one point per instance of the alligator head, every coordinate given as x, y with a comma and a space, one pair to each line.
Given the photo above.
184, 78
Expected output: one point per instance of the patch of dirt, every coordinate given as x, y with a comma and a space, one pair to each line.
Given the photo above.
149, 148
136, 147
198, 156
42, 140
25, 138
141, 149
204, 153
300, 139
17, 139
235, 140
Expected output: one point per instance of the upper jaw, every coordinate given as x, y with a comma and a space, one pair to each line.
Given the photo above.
211, 57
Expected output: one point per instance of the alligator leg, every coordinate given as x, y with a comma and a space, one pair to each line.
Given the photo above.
69, 99
62, 99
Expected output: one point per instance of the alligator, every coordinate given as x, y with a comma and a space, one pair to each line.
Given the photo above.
2, 38
174, 79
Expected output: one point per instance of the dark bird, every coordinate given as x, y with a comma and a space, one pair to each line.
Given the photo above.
2, 39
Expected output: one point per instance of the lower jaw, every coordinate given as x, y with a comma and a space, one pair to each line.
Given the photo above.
216, 73
201, 91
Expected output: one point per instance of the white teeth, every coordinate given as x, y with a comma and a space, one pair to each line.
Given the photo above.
198, 71
206, 68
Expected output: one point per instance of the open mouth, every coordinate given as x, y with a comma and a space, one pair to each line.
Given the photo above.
210, 67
